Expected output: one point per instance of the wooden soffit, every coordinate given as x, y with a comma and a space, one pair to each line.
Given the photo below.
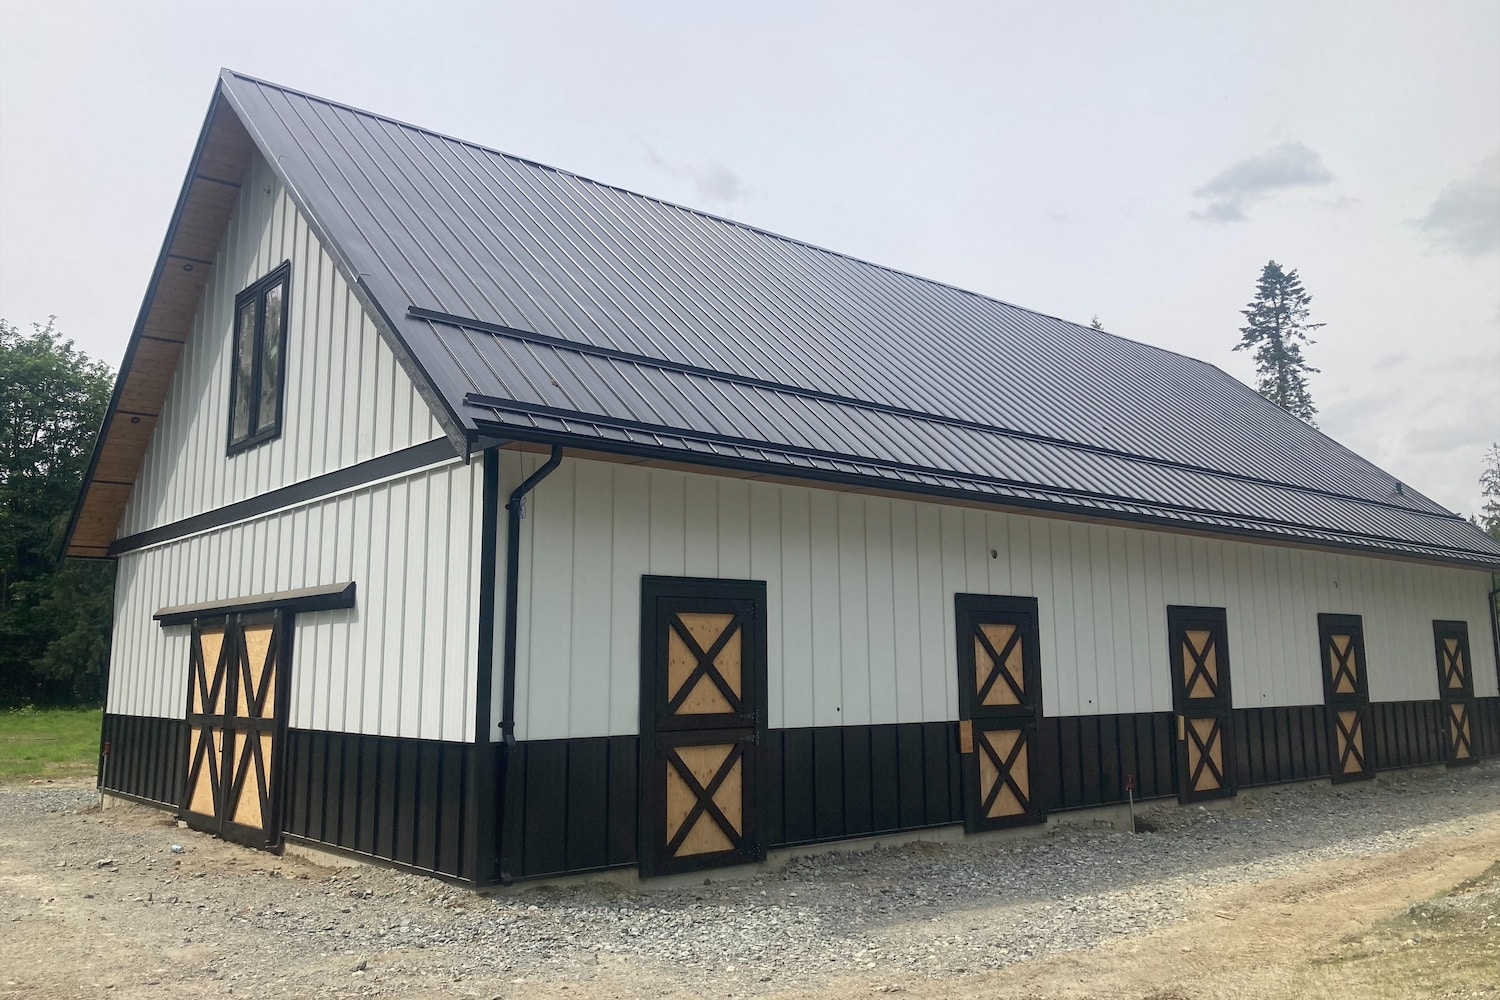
182, 270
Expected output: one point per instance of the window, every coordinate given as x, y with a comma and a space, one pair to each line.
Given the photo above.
259, 363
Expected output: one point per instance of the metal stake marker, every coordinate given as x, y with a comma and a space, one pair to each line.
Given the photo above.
103, 773
1130, 793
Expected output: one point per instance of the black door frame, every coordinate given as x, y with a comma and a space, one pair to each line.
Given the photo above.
1180, 620
746, 728
270, 835
976, 718
1341, 737
1462, 698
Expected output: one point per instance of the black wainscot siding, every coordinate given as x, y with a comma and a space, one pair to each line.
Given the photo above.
569, 806
573, 803
146, 757
1487, 727
1407, 733
829, 783
1276, 745
399, 800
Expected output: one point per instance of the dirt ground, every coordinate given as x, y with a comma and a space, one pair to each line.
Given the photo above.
134, 924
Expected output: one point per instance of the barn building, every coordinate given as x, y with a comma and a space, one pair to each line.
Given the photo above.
484, 519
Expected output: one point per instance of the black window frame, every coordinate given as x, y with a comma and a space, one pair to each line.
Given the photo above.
257, 293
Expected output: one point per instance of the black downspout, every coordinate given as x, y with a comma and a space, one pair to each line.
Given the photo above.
514, 509
1494, 738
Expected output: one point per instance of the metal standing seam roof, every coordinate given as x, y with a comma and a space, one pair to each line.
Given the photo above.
540, 304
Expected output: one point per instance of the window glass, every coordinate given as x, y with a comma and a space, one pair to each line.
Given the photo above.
244, 371
256, 382
272, 336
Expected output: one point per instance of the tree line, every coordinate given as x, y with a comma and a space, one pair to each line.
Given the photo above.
54, 612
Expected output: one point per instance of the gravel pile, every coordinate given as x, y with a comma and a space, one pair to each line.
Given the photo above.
925, 909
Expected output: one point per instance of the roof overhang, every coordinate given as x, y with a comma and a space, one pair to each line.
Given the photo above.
183, 268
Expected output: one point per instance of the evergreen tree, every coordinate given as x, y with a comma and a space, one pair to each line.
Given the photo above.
1276, 327
1489, 488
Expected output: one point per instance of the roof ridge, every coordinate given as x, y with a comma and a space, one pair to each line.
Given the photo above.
630, 357
725, 220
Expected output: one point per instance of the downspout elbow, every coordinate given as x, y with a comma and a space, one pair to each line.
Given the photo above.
515, 508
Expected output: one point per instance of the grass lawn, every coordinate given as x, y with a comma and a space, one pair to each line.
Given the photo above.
49, 743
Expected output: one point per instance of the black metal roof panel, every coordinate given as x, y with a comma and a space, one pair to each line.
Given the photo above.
531, 297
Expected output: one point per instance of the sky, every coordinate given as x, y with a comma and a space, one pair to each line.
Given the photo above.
1140, 162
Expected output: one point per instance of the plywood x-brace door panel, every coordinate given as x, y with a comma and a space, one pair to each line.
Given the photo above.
999, 680
237, 695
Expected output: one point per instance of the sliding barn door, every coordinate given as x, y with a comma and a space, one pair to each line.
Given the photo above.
1346, 696
236, 695
1199, 647
703, 721
208, 701
1455, 688
1000, 701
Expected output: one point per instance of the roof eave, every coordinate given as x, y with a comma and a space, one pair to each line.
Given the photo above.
137, 333
1396, 549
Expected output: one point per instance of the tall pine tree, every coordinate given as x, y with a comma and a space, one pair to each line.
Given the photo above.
1276, 327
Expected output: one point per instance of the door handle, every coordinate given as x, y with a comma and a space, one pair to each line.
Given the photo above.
1182, 727
966, 736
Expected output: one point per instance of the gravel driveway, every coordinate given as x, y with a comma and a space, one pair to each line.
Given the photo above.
105, 900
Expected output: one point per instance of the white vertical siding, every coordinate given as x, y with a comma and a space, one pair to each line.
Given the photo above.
346, 399
860, 593
400, 663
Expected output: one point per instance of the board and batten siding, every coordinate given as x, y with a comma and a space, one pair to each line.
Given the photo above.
860, 593
346, 398
402, 662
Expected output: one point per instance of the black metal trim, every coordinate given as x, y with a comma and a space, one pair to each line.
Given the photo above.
486, 777
339, 481
330, 598
256, 293
416, 312
750, 381
1297, 535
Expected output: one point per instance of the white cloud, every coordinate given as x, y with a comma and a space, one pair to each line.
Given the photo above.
712, 181
1242, 184
1465, 217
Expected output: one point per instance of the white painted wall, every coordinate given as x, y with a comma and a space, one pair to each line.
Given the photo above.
346, 398
400, 663
861, 592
